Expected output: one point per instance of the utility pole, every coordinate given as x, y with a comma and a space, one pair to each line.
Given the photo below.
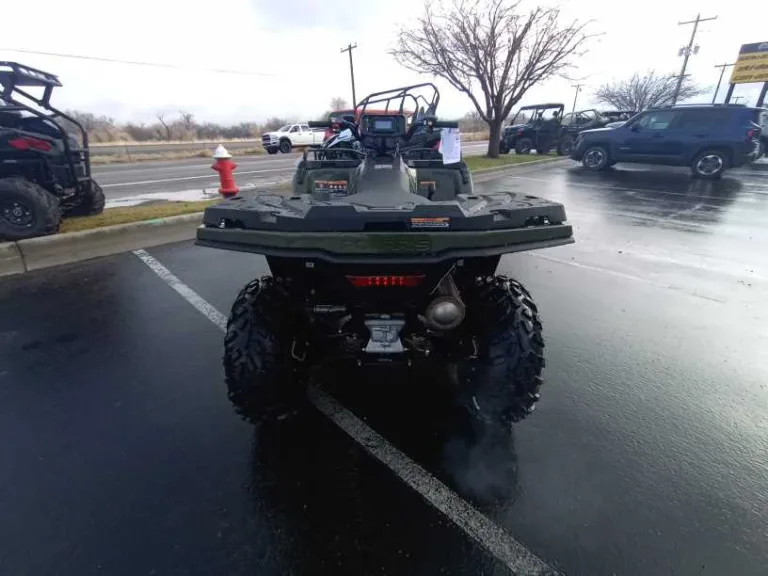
719, 81
687, 51
349, 49
578, 88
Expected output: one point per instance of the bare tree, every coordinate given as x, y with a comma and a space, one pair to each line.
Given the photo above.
491, 51
167, 128
338, 104
472, 122
187, 120
645, 91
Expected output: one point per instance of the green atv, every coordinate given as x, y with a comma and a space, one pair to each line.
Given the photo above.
386, 256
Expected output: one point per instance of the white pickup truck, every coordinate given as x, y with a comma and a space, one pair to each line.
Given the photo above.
290, 136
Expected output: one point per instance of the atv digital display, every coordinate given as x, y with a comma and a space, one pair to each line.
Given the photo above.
385, 125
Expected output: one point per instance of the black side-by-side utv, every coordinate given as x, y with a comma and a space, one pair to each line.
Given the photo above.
45, 172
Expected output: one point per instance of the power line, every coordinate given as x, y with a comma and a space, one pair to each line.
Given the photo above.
349, 49
137, 62
578, 89
687, 52
722, 71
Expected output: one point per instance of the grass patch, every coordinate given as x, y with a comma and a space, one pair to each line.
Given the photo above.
161, 209
483, 162
474, 136
126, 214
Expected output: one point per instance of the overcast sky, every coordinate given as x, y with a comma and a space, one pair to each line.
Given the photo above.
295, 45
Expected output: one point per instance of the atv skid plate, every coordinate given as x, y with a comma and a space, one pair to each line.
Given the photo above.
358, 230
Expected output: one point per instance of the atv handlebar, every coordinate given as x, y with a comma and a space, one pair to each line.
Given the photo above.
446, 124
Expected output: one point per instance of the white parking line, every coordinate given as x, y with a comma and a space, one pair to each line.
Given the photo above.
209, 176
183, 290
472, 522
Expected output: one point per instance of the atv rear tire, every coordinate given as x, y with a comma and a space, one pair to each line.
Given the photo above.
27, 210
501, 383
503, 147
523, 146
92, 202
262, 373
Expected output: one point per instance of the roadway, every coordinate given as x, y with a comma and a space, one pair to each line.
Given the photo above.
166, 147
646, 454
179, 179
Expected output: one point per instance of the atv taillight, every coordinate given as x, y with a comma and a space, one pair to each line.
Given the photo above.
409, 281
27, 143
752, 133
521, 132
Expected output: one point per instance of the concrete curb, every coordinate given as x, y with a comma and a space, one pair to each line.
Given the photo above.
11, 261
47, 251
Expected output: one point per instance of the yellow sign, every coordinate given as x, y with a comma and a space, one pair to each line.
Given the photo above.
752, 64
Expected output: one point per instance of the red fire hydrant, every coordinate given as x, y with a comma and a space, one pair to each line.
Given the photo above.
225, 167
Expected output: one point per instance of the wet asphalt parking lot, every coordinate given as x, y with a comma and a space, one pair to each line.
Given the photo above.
648, 453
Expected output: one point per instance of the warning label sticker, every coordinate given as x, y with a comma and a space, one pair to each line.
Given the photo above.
331, 187
430, 223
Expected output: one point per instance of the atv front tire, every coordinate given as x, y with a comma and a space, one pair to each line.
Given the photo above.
27, 210
501, 383
263, 372
92, 202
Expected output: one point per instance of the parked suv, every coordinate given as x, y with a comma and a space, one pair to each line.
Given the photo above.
708, 138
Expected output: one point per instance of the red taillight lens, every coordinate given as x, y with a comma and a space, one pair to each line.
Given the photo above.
521, 132
751, 133
27, 143
409, 281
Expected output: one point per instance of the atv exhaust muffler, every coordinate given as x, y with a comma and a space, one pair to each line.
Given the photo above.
446, 311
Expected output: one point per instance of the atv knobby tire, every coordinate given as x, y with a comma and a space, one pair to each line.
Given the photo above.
262, 376
27, 210
501, 384
91, 203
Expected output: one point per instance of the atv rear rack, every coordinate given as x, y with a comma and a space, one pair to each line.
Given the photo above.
386, 247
